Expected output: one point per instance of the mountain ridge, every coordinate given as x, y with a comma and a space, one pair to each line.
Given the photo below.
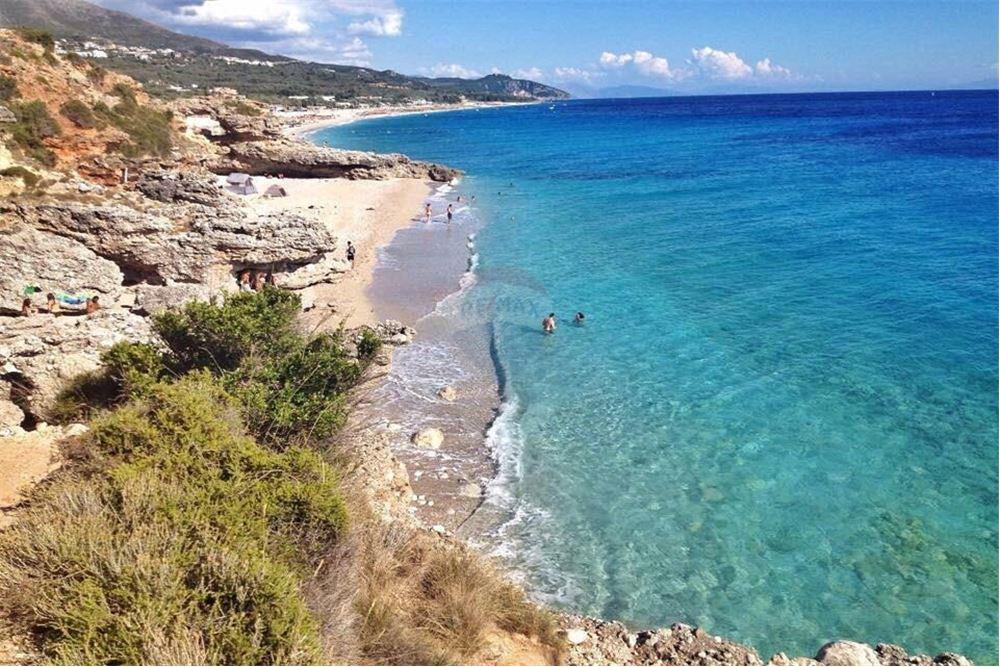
202, 63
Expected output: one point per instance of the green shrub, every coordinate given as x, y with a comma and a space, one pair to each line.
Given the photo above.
188, 543
369, 345
297, 396
79, 113
291, 388
36, 36
29, 177
8, 88
33, 126
96, 73
133, 367
149, 130
218, 337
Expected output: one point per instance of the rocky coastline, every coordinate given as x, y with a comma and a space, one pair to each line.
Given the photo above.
169, 234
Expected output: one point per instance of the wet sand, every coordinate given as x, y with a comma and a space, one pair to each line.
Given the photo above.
367, 213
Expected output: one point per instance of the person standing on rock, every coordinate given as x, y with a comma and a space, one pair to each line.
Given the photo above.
549, 324
350, 253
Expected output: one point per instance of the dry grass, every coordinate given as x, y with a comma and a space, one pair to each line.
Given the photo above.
424, 600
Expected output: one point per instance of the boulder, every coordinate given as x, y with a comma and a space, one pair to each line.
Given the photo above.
951, 659
576, 636
428, 438
844, 652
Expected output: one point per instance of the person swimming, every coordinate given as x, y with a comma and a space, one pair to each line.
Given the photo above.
449, 212
549, 323
579, 318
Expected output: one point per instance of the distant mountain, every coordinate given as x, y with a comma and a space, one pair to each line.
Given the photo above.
633, 91
203, 63
78, 20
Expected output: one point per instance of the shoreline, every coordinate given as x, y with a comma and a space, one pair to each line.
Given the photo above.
300, 125
589, 640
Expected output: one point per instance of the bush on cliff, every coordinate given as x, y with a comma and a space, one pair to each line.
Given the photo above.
178, 540
292, 388
79, 114
33, 126
8, 88
149, 130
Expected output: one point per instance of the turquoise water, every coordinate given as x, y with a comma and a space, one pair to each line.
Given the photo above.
780, 419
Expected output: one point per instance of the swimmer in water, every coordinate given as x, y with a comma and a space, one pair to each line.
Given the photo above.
549, 323
579, 318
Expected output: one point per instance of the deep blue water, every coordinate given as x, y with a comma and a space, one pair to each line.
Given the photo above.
780, 419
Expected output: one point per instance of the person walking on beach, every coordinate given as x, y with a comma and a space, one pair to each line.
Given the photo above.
350, 253
449, 213
427, 212
549, 324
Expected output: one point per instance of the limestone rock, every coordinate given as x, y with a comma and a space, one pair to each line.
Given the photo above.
576, 635
951, 659
844, 652
53, 263
428, 438
447, 393
300, 159
150, 299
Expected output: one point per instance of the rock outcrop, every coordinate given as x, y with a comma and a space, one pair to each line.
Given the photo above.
591, 641
300, 159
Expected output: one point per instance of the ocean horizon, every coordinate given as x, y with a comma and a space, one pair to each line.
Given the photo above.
779, 420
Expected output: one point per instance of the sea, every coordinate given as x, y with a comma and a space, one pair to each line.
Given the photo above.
779, 417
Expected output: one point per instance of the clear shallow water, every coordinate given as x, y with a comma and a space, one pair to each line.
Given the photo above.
780, 420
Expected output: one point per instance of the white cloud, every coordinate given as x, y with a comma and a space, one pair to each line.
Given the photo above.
614, 61
644, 63
766, 68
716, 64
326, 30
451, 70
389, 24
280, 17
575, 74
533, 73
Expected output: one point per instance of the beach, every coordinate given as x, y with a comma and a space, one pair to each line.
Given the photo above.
365, 212
300, 124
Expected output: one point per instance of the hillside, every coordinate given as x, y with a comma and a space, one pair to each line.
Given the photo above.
170, 64
78, 20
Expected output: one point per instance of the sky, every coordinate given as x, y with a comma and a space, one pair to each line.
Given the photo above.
586, 45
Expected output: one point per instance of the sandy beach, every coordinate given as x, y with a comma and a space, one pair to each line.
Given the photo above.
367, 213
300, 124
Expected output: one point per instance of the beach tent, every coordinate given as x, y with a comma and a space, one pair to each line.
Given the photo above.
241, 184
275, 190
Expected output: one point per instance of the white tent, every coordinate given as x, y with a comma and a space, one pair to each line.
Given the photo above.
241, 184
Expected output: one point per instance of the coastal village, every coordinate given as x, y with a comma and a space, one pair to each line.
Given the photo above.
117, 206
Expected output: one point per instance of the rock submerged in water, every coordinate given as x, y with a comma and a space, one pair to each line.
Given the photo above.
428, 438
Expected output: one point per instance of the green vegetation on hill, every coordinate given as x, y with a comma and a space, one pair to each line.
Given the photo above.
194, 64
34, 124
201, 520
